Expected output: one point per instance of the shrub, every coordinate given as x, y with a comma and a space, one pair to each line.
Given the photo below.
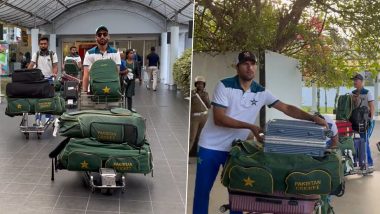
182, 72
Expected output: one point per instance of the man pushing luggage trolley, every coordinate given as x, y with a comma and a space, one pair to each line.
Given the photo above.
236, 103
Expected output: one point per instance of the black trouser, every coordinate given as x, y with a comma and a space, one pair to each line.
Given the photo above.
129, 102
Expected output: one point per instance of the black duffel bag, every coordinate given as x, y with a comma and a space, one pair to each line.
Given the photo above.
40, 89
27, 75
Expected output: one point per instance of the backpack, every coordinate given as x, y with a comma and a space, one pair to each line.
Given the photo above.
360, 118
51, 53
71, 67
105, 81
344, 107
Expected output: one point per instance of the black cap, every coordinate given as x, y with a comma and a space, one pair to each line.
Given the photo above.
358, 77
246, 56
102, 27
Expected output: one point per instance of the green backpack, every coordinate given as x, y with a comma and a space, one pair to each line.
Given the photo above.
250, 170
344, 107
116, 125
87, 154
105, 81
71, 67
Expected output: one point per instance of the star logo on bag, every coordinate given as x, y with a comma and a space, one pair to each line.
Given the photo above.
84, 165
106, 90
19, 106
248, 182
253, 101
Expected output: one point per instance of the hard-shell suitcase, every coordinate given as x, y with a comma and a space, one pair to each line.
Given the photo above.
298, 129
276, 203
41, 89
344, 128
27, 75
295, 137
71, 90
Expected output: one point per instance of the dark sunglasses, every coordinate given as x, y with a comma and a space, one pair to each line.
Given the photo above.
100, 34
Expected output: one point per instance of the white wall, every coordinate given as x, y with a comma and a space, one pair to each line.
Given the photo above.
284, 80
120, 17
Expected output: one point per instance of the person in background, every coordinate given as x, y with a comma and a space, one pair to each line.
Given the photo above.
123, 71
139, 61
130, 77
200, 103
47, 61
364, 97
73, 56
153, 63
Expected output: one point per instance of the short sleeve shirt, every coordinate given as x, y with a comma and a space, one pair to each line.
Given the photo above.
44, 63
239, 105
94, 54
153, 59
331, 123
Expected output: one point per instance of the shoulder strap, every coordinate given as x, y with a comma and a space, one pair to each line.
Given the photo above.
38, 55
200, 99
51, 57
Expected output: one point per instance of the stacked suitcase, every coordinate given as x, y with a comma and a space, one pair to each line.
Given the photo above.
295, 137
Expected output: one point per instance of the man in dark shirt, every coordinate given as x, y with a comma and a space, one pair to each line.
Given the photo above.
153, 63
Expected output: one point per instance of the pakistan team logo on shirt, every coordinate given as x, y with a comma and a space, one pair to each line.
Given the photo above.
253, 101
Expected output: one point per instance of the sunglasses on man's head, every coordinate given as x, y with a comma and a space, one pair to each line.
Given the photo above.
100, 34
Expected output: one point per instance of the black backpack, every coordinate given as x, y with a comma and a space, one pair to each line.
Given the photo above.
360, 118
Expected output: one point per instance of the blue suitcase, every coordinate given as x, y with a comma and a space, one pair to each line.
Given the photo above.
295, 137
360, 158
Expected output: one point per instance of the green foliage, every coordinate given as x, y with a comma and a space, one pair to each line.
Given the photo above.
332, 39
182, 72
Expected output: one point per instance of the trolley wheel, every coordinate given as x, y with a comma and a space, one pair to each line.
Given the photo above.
39, 135
224, 208
26, 136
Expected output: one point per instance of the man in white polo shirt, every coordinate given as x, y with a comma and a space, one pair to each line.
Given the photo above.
102, 51
236, 103
47, 61
74, 56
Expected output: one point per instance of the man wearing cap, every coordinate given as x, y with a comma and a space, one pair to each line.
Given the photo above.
102, 51
364, 97
200, 103
236, 103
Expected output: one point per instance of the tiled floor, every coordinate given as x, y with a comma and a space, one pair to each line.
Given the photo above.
25, 185
361, 194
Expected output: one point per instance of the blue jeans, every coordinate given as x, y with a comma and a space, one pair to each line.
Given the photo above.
366, 136
209, 162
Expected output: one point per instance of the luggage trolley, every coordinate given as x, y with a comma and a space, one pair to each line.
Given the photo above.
37, 128
106, 180
90, 101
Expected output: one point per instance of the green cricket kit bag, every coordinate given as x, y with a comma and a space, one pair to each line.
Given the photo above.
18, 106
250, 170
116, 125
88, 154
104, 81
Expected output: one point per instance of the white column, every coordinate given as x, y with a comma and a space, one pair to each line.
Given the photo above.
182, 41
34, 36
53, 42
314, 98
174, 43
164, 58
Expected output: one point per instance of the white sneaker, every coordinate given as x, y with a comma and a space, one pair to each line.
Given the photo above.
370, 169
